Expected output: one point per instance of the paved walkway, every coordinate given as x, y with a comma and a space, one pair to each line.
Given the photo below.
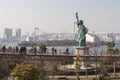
73, 76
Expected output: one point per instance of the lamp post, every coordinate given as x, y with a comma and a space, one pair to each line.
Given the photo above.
35, 50
36, 33
74, 29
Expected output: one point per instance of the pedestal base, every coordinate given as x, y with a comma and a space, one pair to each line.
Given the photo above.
83, 51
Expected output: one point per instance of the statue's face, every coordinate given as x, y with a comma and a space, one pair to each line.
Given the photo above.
81, 22
76, 13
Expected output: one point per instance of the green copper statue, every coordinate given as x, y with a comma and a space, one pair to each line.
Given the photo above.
82, 31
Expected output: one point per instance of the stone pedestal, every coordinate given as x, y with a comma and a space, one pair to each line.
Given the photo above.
83, 51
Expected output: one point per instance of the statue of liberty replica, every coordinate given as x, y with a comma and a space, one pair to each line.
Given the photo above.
82, 31
82, 49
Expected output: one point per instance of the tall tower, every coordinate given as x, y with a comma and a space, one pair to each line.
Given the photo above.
18, 33
36, 31
8, 33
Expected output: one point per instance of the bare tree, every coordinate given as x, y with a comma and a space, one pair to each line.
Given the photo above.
77, 66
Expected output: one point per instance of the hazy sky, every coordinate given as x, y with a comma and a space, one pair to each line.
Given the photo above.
59, 15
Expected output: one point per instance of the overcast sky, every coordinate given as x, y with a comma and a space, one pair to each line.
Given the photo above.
57, 16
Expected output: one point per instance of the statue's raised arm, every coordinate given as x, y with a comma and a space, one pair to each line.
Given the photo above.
82, 31
77, 18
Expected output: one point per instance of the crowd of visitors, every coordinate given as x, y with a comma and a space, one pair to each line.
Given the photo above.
21, 50
35, 50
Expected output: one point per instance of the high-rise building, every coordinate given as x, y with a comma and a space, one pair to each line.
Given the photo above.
18, 33
8, 33
36, 31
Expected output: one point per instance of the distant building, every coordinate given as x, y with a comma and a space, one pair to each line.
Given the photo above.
92, 38
18, 33
8, 33
36, 31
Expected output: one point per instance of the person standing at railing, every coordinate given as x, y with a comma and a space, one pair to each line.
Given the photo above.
4, 49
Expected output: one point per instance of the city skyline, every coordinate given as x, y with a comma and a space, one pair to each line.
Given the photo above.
57, 16
9, 33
